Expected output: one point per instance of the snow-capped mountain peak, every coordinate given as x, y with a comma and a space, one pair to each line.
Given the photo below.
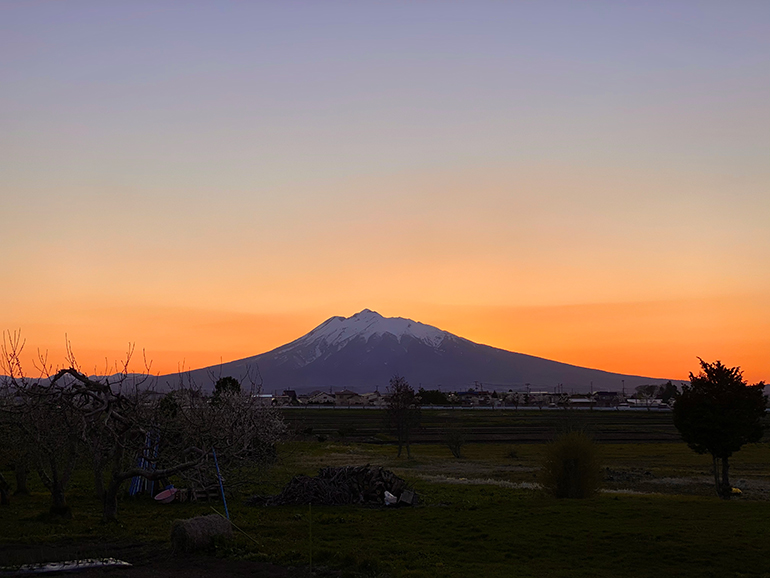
366, 350
337, 331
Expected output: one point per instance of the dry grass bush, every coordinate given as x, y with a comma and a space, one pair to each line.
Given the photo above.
571, 467
454, 438
198, 533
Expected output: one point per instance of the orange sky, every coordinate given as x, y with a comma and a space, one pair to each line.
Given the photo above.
569, 271
657, 339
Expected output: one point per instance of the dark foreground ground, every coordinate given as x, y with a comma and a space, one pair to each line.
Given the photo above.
482, 514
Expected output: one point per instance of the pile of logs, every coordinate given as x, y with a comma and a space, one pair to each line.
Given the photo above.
341, 486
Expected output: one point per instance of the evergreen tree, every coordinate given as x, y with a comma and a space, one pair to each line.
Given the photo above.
717, 414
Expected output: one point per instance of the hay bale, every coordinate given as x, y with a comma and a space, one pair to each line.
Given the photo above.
198, 533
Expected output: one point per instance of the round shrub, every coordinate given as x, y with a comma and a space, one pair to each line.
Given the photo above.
571, 467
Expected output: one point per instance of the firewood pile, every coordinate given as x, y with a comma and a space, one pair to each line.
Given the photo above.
341, 486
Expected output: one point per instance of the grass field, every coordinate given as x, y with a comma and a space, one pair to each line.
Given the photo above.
478, 516
491, 426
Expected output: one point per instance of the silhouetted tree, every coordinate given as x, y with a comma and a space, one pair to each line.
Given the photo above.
667, 392
717, 414
14, 451
226, 386
46, 416
403, 411
433, 397
646, 393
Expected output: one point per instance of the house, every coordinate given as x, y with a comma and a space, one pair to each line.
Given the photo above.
375, 399
320, 398
607, 398
347, 397
475, 397
285, 400
577, 401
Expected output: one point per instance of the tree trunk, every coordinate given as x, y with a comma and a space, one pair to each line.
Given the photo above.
4, 487
717, 485
21, 469
727, 489
99, 478
110, 511
400, 436
59, 505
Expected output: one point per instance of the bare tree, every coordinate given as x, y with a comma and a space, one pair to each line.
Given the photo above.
403, 411
514, 398
46, 414
6, 448
13, 451
64, 413
647, 394
178, 434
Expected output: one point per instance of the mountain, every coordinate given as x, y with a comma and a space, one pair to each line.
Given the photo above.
364, 351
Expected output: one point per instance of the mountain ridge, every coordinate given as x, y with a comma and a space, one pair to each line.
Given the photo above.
364, 351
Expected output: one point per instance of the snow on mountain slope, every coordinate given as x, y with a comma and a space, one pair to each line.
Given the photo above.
336, 332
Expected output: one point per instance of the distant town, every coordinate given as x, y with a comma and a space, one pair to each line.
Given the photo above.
644, 396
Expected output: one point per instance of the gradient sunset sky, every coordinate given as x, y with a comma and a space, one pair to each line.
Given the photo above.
583, 181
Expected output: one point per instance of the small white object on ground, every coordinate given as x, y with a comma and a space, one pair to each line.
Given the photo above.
68, 566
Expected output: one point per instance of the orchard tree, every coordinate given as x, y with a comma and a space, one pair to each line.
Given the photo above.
717, 413
14, 451
178, 434
46, 417
64, 414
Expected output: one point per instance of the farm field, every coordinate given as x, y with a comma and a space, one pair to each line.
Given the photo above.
480, 515
487, 425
